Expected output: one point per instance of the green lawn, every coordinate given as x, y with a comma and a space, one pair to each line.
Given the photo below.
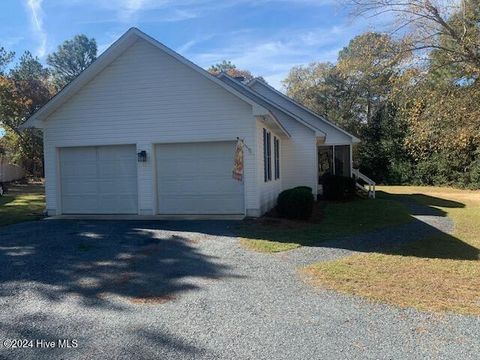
23, 202
338, 219
440, 273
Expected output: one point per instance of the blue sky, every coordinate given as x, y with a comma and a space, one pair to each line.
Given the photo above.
267, 37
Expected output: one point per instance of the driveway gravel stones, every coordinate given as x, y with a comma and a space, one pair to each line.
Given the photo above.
188, 290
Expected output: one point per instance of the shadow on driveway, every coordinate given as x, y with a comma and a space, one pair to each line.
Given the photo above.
94, 260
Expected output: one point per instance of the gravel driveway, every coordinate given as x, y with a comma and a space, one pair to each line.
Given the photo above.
184, 290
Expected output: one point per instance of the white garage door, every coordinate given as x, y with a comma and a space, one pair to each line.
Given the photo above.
99, 180
196, 178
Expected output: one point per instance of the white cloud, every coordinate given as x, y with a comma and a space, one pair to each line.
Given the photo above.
130, 11
11, 41
128, 8
187, 46
273, 57
111, 37
36, 22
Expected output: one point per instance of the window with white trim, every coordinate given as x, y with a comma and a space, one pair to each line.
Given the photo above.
267, 155
276, 157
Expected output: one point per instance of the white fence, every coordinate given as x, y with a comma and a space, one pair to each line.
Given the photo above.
9, 172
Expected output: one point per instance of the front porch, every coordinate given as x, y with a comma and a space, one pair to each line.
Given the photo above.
336, 159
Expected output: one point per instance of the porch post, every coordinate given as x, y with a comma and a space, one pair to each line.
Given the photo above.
333, 160
351, 160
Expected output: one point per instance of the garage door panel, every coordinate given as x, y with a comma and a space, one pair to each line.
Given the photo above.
72, 186
110, 153
99, 180
190, 204
82, 170
185, 186
83, 204
196, 178
87, 154
121, 185
121, 204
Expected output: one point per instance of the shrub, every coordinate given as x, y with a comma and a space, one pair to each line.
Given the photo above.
475, 175
401, 172
308, 188
338, 187
296, 203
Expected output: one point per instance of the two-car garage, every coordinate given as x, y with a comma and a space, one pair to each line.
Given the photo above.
191, 178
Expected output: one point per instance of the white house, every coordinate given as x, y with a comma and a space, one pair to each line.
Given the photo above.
140, 98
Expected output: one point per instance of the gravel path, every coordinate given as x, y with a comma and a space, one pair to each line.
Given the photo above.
188, 290
428, 221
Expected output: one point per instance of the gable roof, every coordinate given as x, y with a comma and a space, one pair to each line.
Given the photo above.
106, 58
261, 104
301, 107
263, 101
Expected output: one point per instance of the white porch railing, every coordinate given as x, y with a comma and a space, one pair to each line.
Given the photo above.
370, 183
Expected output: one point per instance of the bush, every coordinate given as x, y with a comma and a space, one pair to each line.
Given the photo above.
338, 187
475, 175
401, 172
296, 203
308, 188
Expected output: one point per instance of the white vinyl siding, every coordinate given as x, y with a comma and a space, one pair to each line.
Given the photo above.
147, 97
268, 190
196, 178
298, 156
99, 180
297, 160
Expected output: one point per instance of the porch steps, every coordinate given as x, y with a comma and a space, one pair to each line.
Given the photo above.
368, 188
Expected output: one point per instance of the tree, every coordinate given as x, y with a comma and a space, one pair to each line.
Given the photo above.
382, 154
352, 91
71, 58
451, 27
230, 69
5, 58
321, 88
437, 97
22, 92
369, 64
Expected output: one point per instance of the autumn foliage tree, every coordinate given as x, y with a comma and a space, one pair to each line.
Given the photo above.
412, 94
230, 69
27, 86
22, 91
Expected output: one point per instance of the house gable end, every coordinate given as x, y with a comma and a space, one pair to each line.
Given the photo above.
116, 50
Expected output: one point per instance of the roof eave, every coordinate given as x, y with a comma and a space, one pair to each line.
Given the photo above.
355, 140
273, 104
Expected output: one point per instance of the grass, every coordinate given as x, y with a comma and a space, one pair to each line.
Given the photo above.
439, 274
23, 202
338, 219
